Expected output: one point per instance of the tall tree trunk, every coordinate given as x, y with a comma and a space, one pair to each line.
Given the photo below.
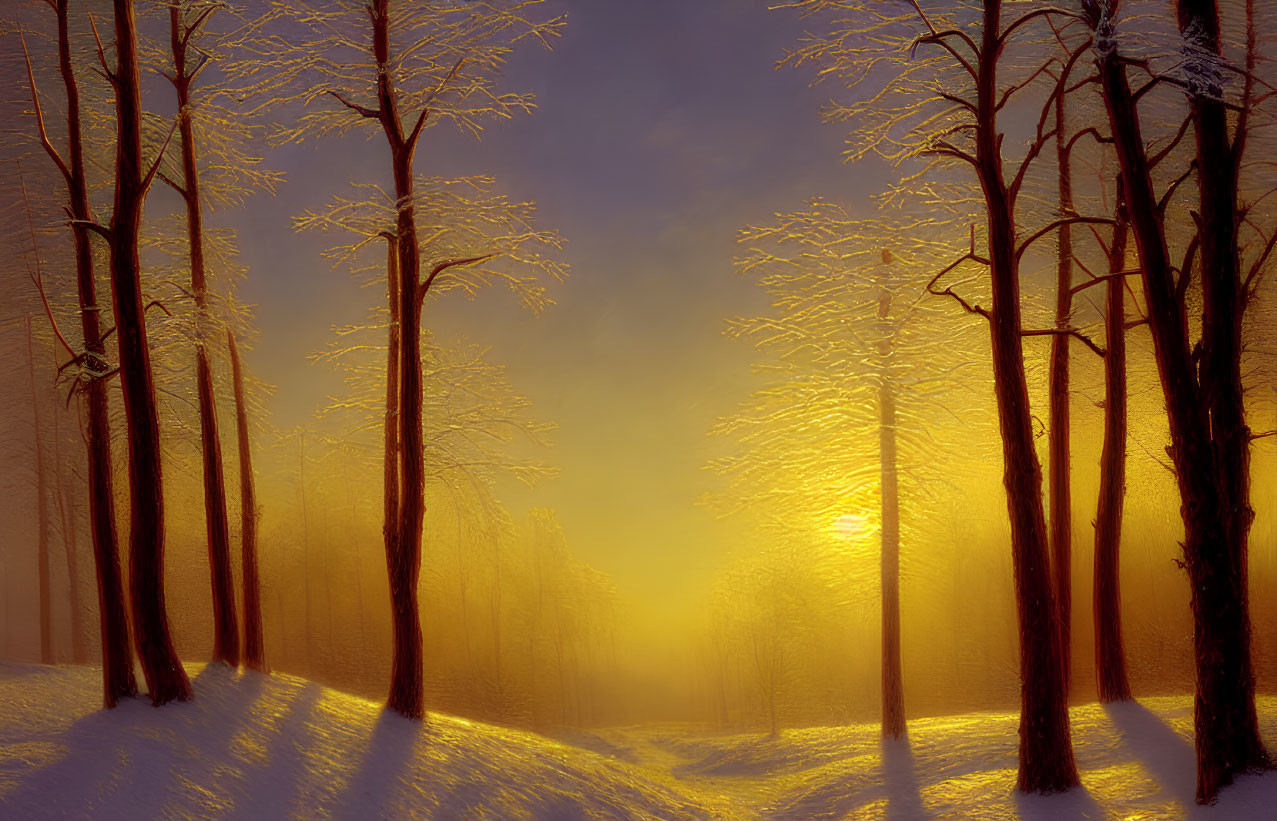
307, 612
254, 646
42, 514
390, 457
1110, 652
1046, 750
165, 677
1059, 492
404, 556
893, 698
1237, 747
225, 629
66, 514
117, 655
1227, 734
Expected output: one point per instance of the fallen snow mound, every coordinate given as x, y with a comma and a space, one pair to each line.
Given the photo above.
253, 746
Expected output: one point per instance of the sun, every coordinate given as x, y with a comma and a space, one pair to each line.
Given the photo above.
849, 526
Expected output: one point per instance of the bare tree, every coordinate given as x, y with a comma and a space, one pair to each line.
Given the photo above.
254, 646
1201, 383
165, 677
44, 593
863, 356
187, 61
90, 372
1110, 653
445, 66
945, 106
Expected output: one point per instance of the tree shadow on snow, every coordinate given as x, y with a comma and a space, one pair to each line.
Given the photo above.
904, 795
267, 791
896, 780
132, 759
1077, 803
382, 770
1161, 750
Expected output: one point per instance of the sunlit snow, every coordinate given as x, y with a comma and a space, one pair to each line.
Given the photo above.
253, 746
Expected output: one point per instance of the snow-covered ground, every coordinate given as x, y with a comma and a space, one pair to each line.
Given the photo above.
253, 746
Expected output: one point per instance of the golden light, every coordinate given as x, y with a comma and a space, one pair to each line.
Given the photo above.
850, 526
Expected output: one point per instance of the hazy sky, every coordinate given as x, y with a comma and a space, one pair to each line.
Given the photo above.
662, 128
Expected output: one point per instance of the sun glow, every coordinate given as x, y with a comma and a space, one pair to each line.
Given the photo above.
851, 526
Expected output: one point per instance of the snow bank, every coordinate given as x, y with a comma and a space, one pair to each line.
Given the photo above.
254, 746
1136, 762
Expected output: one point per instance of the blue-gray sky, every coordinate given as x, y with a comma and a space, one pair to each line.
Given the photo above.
662, 128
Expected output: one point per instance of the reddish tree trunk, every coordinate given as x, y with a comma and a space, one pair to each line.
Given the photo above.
390, 479
893, 698
1227, 735
1059, 492
403, 552
165, 677
1046, 750
66, 506
1226, 715
42, 514
225, 629
66, 513
254, 646
117, 655
1110, 653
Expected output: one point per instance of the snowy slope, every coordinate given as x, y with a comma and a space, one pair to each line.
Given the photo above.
252, 746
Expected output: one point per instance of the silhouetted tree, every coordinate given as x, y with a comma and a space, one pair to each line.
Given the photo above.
254, 646
1110, 652
444, 63
1201, 382
185, 21
91, 370
165, 677
43, 592
945, 105
861, 354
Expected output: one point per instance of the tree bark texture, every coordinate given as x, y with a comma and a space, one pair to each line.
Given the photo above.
1046, 750
254, 656
225, 627
1227, 736
165, 677
1110, 652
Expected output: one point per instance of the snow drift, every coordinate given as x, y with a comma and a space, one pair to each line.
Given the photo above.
253, 746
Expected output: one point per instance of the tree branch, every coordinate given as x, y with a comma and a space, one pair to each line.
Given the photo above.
90, 225
1073, 332
39, 113
971, 256
1006, 33
424, 287
106, 70
172, 184
199, 21
1103, 278
37, 276
1161, 155
1186, 269
372, 114
159, 158
1060, 223
1170, 192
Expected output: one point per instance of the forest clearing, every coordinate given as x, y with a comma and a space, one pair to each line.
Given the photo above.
638, 408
